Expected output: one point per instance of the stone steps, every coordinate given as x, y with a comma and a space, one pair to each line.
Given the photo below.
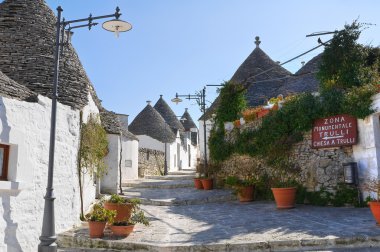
172, 177
178, 196
158, 183
183, 172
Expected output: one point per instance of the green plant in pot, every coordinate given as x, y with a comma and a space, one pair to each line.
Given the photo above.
125, 227
244, 188
284, 185
197, 179
122, 205
207, 177
97, 219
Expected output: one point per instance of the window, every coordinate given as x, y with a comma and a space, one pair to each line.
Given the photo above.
4, 157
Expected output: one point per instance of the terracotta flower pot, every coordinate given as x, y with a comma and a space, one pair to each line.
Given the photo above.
122, 230
96, 229
375, 209
198, 183
123, 211
262, 113
207, 183
285, 197
246, 193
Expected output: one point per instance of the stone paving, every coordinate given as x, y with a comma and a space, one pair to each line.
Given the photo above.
178, 196
185, 225
234, 226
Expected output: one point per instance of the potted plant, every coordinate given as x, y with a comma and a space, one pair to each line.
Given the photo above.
284, 184
197, 179
126, 226
373, 185
123, 206
244, 188
207, 178
97, 220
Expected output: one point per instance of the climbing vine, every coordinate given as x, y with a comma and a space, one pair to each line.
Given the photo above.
94, 146
349, 77
232, 102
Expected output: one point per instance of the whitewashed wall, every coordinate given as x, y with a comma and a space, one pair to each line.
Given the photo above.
367, 151
194, 153
150, 143
209, 124
26, 127
110, 181
130, 152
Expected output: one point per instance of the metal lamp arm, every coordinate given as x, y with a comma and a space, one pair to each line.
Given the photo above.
117, 14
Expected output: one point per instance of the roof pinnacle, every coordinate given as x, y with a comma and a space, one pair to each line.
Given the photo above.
257, 41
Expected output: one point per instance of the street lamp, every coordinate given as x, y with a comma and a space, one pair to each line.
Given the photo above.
201, 100
48, 237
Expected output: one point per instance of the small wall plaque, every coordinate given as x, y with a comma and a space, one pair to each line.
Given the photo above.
128, 163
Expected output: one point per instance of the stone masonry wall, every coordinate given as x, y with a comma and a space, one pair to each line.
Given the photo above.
151, 162
319, 167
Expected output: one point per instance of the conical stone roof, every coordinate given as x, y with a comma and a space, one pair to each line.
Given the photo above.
187, 121
149, 122
167, 113
304, 80
10, 88
27, 39
256, 63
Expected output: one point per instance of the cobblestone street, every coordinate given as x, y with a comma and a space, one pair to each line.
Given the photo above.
183, 225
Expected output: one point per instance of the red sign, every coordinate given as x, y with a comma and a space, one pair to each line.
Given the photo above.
333, 131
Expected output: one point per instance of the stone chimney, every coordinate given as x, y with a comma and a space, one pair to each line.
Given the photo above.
123, 120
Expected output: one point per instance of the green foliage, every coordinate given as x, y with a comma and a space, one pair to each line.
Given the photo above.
232, 102
343, 59
235, 181
117, 199
219, 148
301, 194
319, 198
349, 77
100, 214
345, 195
263, 189
357, 101
94, 146
137, 216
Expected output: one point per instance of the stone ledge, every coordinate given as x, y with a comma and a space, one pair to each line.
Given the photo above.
79, 239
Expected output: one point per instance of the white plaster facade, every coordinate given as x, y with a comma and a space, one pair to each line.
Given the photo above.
176, 156
367, 151
209, 125
26, 128
126, 150
130, 162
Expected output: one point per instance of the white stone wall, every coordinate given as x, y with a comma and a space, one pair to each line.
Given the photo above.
130, 152
209, 124
172, 155
150, 143
367, 151
110, 181
173, 161
194, 153
26, 127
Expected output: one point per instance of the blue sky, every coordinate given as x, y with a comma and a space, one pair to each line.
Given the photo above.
180, 46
